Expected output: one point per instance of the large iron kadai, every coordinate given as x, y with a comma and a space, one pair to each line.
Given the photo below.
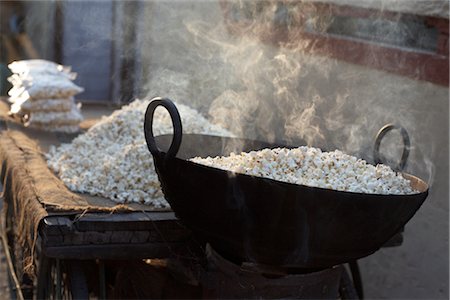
254, 219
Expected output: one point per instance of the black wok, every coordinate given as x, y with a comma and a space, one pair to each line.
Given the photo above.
254, 219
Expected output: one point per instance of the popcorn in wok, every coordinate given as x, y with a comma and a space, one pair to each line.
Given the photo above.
112, 159
312, 167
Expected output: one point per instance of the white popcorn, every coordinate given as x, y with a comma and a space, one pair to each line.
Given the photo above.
112, 159
312, 167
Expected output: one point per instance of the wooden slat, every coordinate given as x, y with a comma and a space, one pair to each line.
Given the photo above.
121, 237
74, 238
140, 237
56, 226
125, 217
114, 251
97, 238
111, 229
126, 221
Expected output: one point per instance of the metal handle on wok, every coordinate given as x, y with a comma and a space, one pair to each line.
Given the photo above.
401, 165
176, 123
378, 158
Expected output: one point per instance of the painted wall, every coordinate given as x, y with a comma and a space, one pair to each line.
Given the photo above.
87, 45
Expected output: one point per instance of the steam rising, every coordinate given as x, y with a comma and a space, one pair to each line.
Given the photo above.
250, 66
247, 65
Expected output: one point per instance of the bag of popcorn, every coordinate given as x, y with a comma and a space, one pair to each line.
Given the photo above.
42, 105
41, 66
40, 118
46, 86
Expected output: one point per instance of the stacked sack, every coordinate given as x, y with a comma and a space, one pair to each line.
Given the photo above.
43, 95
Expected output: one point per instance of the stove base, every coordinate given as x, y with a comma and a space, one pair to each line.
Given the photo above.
226, 280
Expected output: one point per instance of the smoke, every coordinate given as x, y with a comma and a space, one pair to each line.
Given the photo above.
253, 67
249, 66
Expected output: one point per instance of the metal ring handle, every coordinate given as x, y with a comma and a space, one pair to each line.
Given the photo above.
406, 145
176, 123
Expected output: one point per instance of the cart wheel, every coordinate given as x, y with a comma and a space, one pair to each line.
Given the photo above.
59, 279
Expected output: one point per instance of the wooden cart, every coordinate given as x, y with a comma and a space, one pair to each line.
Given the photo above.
72, 248
68, 248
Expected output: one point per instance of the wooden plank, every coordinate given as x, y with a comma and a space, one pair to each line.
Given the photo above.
53, 240
56, 225
140, 237
169, 235
56, 231
114, 251
126, 217
74, 238
61, 231
51, 226
65, 224
96, 237
114, 237
126, 221
121, 237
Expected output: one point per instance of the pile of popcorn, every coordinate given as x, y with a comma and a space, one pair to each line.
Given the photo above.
43, 95
310, 166
112, 159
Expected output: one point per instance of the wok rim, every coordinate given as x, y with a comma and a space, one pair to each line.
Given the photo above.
409, 177
233, 174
